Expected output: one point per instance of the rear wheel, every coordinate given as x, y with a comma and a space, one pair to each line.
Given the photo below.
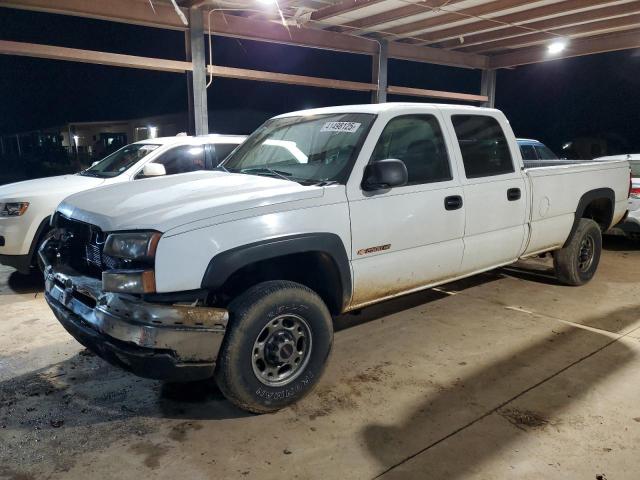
577, 263
277, 343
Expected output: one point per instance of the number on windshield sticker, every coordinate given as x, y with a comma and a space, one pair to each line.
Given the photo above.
344, 127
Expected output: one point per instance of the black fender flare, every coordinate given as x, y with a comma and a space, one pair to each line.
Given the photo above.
44, 226
585, 200
223, 265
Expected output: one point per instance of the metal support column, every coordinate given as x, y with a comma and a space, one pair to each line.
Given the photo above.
199, 76
488, 87
191, 128
379, 73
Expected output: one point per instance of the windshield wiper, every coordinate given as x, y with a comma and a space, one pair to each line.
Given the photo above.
87, 173
324, 183
268, 171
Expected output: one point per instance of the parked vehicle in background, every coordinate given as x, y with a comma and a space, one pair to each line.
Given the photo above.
535, 150
26, 207
631, 224
235, 274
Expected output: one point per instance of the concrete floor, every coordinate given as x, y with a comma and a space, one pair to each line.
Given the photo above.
504, 375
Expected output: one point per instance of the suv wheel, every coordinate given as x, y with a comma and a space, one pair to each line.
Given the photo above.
276, 347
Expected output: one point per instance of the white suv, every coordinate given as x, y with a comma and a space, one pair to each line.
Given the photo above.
26, 207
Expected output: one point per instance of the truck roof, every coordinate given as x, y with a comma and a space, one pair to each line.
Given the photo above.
529, 141
381, 107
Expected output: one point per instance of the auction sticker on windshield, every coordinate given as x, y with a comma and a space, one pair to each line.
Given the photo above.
345, 127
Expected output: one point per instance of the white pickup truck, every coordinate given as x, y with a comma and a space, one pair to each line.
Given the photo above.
26, 207
235, 274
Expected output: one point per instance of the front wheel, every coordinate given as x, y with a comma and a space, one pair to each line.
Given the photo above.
577, 263
278, 340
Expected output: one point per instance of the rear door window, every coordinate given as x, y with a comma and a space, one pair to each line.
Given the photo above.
528, 152
484, 147
220, 151
186, 158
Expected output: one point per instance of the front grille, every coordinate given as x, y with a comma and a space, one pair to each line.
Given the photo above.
83, 247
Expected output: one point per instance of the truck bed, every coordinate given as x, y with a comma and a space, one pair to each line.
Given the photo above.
556, 189
555, 163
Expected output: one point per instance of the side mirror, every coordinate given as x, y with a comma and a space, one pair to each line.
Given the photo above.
153, 170
385, 174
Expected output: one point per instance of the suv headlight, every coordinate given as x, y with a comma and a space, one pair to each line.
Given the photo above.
138, 246
13, 209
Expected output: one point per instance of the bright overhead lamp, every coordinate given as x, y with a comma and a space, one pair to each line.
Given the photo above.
557, 46
267, 2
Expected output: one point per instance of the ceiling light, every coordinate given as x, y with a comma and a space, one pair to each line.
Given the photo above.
557, 47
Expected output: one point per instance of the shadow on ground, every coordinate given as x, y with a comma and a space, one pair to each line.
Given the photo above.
19, 283
403, 449
616, 243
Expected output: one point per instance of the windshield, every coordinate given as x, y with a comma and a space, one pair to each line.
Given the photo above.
306, 149
635, 168
120, 160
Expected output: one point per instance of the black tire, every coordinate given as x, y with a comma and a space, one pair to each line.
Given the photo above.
577, 263
249, 357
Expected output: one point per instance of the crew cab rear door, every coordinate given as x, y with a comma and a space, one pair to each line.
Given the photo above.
407, 237
494, 188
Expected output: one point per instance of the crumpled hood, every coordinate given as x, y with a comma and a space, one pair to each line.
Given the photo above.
167, 202
61, 185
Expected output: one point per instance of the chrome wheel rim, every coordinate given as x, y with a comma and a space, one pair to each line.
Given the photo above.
282, 350
586, 253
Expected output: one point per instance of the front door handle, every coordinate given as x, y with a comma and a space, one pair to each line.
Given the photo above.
453, 202
514, 194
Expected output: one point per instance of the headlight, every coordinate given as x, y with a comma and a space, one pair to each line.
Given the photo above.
129, 281
13, 209
140, 246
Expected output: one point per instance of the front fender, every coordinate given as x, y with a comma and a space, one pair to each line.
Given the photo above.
223, 265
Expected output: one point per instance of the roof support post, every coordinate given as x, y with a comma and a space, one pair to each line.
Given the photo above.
189, 77
199, 76
379, 72
488, 87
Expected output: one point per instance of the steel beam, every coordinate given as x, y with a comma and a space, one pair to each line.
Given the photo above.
588, 46
90, 56
199, 75
380, 63
488, 87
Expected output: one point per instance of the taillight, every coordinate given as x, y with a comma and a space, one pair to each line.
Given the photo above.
634, 192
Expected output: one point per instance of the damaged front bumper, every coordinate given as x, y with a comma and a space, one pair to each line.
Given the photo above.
167, 342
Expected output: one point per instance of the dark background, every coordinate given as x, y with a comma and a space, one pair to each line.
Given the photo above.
555, 102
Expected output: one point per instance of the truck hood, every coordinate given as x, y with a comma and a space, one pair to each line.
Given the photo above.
164, 203
61, 186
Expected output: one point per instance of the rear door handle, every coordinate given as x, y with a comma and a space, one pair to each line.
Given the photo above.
453, 202
514, 194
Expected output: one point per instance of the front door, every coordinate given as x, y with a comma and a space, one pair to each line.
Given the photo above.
407, 237
494, 192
